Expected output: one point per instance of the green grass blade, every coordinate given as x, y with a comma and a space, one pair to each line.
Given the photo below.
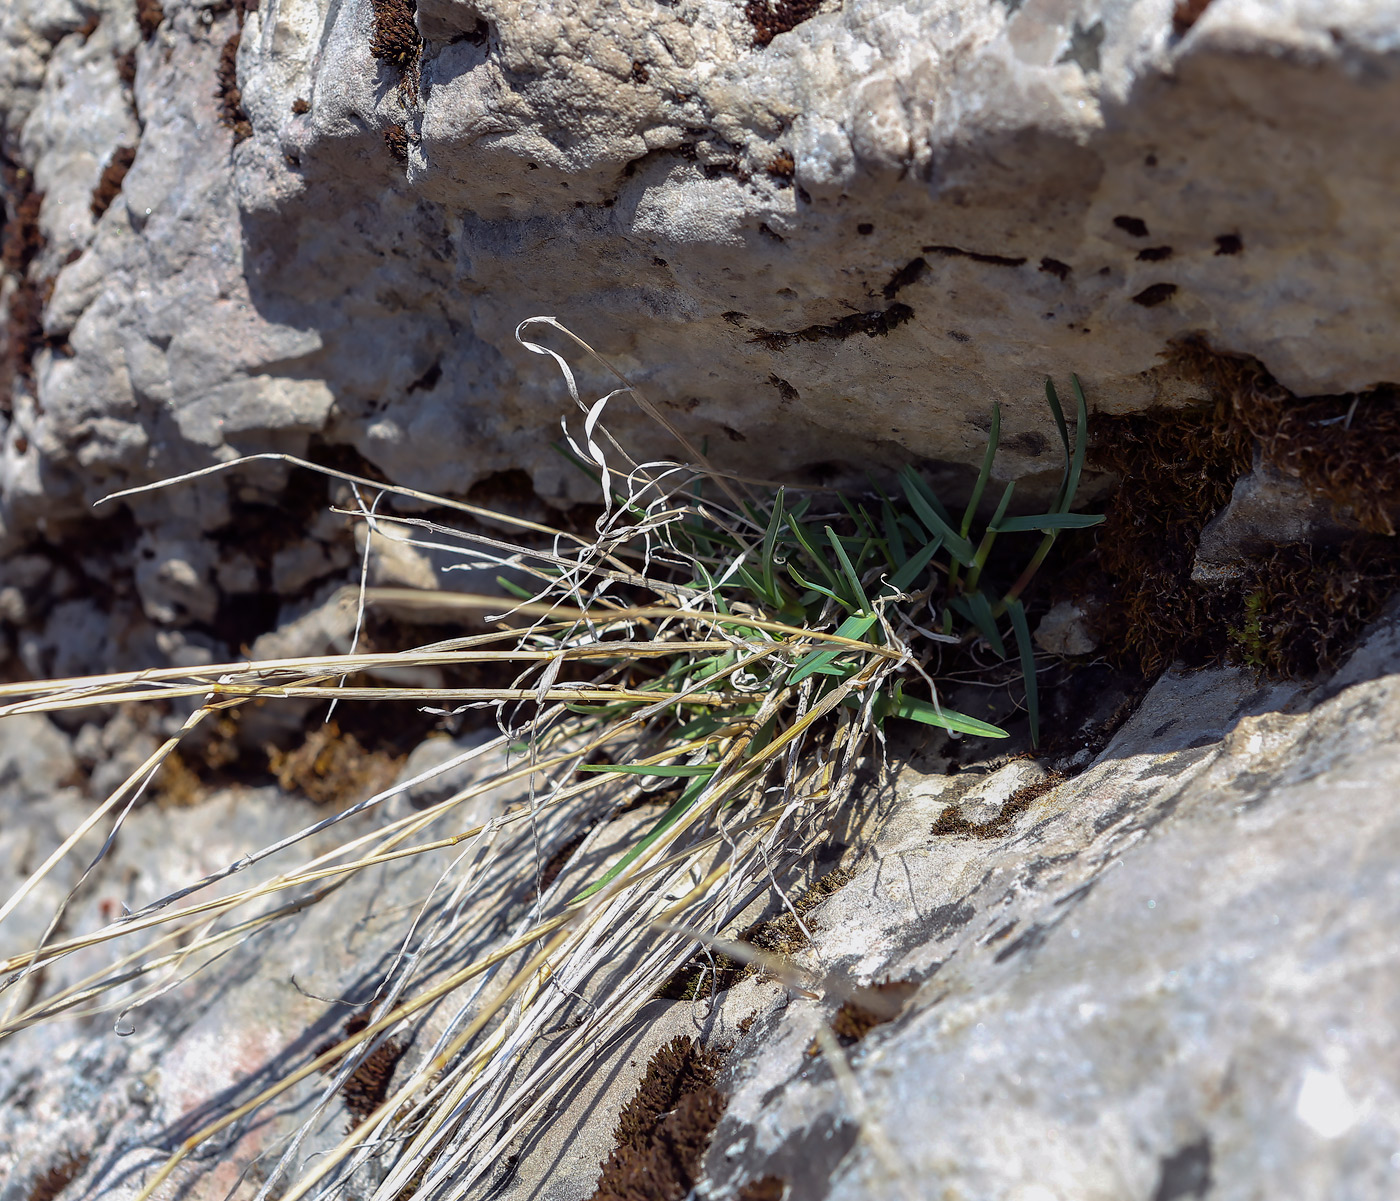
958, 546
817, 588
665, 822
856, 626
925, 490
514, 589
1017, 613
1050, 521
770, 541
894, 538
984, 548
818, 560
904, 578
937, 715
988, 457
1081, 443
980, 610
861, 601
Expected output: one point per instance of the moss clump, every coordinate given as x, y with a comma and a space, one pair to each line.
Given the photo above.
1298, 609
664, 1129
1177, 470
853, 1021
1287, 610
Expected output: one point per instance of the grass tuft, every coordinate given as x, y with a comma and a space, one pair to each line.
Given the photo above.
735, 649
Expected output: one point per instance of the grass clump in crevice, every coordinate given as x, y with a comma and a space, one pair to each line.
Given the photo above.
739, 644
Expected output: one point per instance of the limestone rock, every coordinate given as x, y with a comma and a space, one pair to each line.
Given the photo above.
1133, 994
1065, 630
827, 244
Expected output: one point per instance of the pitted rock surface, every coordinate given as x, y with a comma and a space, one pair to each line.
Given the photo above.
830, 249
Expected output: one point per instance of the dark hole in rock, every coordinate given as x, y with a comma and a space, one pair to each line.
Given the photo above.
1135, 226
1154, 294
1185, 1173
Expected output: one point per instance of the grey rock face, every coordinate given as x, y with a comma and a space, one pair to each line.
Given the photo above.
1171, 972
1136, 993
833, 244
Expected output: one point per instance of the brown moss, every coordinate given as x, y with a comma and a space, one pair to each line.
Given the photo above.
781, 935
396, 138
189, 775
1177, 468
109, 186
301, 106
772, 17
853, 1021
950, 821
20, 244
22, 239
231, 111
1344, 449
177, 785
332, 767
368, 1085
57, 1178
395, 38
664, 1129
1299, 608
1285, 610
782, 166
149, 16
766, 1188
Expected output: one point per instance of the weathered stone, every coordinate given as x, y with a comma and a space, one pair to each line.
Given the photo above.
892, 215
1132, 993
1065, 630
1267, 508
